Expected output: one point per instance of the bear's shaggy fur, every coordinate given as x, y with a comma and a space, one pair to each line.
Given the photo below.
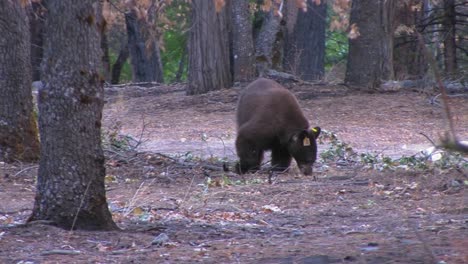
269, 118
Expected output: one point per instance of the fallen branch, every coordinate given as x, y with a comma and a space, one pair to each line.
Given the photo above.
60, 252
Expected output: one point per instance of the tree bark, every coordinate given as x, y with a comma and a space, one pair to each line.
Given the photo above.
70, 184
144, 50
104, 46
119, 63
242, 41
269, 37
182, 66
371, 53
36, 22
305, 41
409, 61
209, 63
448, 26
18, 129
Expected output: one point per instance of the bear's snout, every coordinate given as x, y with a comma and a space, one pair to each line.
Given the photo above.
306, 169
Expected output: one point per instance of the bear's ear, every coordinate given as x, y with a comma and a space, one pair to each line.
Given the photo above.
303, 138
315, 131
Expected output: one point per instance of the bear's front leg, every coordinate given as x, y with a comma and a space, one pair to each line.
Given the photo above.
280, 158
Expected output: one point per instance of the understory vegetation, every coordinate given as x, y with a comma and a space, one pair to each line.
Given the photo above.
334, 153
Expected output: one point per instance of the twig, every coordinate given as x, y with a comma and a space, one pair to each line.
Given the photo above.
132, 203
116, 7
26, 169
81, 206
188, 190
430, 140
140, 137
165, 156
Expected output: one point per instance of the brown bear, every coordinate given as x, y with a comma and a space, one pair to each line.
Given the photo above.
269, 118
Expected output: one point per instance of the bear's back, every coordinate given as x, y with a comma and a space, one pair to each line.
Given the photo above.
268, 103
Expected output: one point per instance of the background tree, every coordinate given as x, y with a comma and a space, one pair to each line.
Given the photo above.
18, 129
36, 23
118, 41
209, 63
370, 58
305, 40
268, 37
105, 57
70, 184
242, 41
409, 61
444, 28
124, 53
143, 43
448, 27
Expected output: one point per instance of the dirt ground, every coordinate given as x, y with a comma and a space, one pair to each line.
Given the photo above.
175, 205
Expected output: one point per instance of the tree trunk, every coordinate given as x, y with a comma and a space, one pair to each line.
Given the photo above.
267, 53
102, 25
119, 63
408, 57
145, 56
305, 41
242, 41
448, 27
18, 129
36, 22
371, 53
209, 64
182, 66
70, 184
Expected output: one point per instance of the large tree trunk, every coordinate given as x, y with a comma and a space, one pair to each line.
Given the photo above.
409, 61
448, 27
18, 129
209, 64
242, 41
70, 184
145, 56
305, 41
371, 53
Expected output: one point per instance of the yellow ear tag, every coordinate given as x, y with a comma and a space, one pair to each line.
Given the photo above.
306, 142
314, 130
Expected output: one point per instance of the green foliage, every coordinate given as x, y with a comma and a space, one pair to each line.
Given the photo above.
173, 51
336, 43
336, 48
343, 154
338, 150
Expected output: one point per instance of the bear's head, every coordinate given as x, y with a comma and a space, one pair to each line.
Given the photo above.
302, 146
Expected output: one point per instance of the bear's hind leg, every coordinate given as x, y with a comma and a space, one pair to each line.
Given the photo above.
280, 159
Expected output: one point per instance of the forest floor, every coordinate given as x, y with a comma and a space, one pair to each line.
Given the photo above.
174, 203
